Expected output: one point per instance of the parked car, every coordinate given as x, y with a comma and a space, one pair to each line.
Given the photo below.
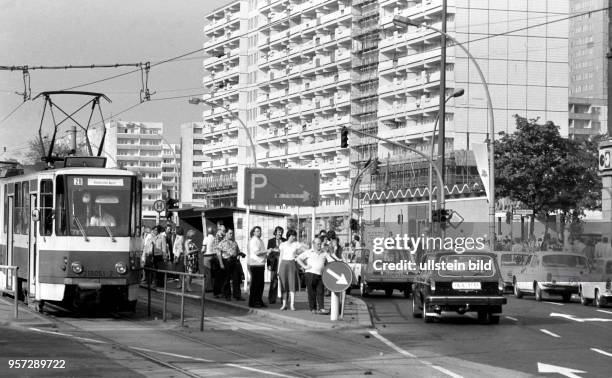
597, 285
552, 273
370, 273
466, 289
511, 263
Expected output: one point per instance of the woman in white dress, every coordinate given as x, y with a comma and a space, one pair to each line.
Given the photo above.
287, 269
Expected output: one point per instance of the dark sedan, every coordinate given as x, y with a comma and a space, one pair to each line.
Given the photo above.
447, 281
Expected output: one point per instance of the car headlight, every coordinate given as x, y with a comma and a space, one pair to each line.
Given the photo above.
432, 284
501, 286
120, 268
76, 267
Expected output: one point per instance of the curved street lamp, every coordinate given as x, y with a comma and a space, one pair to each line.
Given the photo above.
405, 21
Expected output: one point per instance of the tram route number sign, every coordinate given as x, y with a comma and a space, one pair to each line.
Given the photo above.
159, 206
337, 276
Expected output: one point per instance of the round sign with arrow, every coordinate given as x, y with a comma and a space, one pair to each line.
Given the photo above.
337, 276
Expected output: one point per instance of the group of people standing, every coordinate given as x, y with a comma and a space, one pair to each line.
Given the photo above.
282, 257
172, 249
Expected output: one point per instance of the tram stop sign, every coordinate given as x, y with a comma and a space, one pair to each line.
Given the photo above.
337, 276
159, 206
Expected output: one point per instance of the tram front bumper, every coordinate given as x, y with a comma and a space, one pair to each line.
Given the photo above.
95, 283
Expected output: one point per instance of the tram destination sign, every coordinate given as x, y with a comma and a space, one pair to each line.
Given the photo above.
281, 186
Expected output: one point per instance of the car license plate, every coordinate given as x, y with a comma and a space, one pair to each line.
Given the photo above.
466, 285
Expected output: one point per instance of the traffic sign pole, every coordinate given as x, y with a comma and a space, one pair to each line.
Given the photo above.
335, 306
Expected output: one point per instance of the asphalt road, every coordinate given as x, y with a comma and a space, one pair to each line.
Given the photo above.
70, 358
236, 343
530, 332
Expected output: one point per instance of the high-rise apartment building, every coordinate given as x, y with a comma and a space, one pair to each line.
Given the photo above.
297, 71
140, 147
588, 84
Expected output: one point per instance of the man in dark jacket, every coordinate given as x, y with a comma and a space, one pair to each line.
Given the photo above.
272, 262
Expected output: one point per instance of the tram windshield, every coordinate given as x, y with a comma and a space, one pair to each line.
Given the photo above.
96, 206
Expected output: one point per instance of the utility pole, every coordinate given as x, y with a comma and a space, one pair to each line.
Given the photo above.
442, 106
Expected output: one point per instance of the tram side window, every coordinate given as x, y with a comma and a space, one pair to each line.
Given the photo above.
17, 217
137, 206
25, 214
46, 207
5, 208
60, 207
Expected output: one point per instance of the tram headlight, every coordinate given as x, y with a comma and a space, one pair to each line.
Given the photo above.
120, 268
76, 267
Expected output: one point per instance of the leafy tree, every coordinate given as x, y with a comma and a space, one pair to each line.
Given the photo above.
538, 167
35, 148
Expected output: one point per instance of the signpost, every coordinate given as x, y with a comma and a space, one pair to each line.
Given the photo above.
281, 186
159, 206
337, 277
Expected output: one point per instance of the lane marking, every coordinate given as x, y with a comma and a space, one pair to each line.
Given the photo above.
266, 372
511, 318
579, 320
555, 303
408, 354
170, 354
68, 335
549, 333
601, 352
605, 312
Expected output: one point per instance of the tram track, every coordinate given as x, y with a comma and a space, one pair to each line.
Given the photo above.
124, 347
277, 344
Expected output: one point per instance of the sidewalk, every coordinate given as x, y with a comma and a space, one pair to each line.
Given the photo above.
356, 314
26, 316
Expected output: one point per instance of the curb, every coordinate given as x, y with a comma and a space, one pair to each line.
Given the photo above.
38, 321
362, 321
363, 316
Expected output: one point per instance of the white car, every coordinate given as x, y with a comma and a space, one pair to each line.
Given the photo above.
551, 272
510, 263
597, 286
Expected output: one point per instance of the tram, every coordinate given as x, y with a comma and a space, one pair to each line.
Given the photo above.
73, 226
74, 232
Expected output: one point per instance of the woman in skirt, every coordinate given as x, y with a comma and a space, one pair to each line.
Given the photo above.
287, 269
191, 257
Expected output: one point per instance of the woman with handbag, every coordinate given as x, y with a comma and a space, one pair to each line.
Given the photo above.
191, 257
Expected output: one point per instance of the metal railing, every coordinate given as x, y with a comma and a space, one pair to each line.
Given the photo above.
11, 288
152, 275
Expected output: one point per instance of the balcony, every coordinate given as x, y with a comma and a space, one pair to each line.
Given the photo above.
419, 57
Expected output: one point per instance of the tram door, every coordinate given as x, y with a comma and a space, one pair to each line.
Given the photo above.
33, 250
9, 231
9, 242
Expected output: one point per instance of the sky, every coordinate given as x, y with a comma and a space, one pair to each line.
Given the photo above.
85, 32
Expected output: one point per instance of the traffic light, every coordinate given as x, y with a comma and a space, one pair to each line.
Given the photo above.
435, 215
375, 168
445, 215
354, 225
344, 133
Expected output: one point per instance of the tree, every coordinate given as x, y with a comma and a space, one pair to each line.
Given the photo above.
35, 149
548, 173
